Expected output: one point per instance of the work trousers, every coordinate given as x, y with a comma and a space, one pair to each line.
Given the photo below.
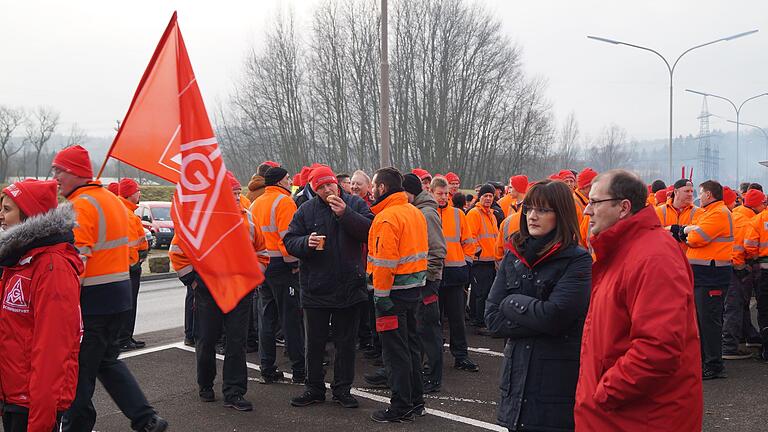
16, 419
234, 325
98, 359
279, 300
190, 325
452, 302
737, 321
343, 327
402, 359
126, 333
483, 274
431, 332
709, 314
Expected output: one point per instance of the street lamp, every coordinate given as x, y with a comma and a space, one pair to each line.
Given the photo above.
738, 113
671, 72
758, 128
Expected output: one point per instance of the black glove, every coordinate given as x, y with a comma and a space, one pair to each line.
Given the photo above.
188, 278
676, 231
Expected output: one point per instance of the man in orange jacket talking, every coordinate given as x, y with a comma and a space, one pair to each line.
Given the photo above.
397, 269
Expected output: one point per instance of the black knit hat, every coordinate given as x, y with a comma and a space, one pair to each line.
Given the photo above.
412, 184
682, 183
274, 175
486, 188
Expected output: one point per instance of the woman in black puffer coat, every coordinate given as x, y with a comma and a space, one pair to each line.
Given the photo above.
538, 302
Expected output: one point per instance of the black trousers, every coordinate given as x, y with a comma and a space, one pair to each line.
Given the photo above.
762, 305
126, 333
452, 302
343, 327
17, 421
431, 332
98, 358
279, 299
709, 314
375, 339
402, 359
212, 321
483, 274
364, 331
190, 325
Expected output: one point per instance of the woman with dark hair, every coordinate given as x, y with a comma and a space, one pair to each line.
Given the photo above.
538, 302
40, 326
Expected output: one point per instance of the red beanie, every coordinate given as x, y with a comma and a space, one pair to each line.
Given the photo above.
234, 183
114, 187
753, 198
555, 177
585, 177
566, 174
520, 183
273, 164
74, 160
303, 176
322, 175
729, 196
452, 177
421, 173
128, 187
33, 196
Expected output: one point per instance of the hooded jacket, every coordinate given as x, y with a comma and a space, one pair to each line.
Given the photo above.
40, 325
640, 350
333, 277
435, 238
255, 188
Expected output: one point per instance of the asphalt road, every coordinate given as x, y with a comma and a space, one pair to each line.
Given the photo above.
467, 402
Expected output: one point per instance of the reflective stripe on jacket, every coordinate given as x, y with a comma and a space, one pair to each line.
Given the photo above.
458, 237
272, 213
101, 234
712, 239
742, 218
509, 226
397, 246
484, 229
756, 239
137, 241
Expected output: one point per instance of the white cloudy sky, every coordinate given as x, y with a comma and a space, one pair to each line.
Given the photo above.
85, 57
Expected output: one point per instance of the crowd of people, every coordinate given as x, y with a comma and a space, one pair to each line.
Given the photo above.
616, 298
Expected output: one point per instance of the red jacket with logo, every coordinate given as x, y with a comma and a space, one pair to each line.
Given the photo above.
640, 350
40, 325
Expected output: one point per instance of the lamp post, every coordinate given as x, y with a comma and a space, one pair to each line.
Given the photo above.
738, 113
671, 70
761, 130
384, 149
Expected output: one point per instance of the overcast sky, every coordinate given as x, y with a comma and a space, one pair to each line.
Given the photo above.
85, 58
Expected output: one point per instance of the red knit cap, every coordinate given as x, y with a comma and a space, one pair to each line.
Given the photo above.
555, 177
234, 183
421, 173
128, 187
753, 198
566, 174
452, 177
114, 187
33, 196
273, 164
661, 196
74, 160
585, 177
520, 183
322, 175
729, 196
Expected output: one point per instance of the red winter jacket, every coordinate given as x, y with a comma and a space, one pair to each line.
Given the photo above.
40, 325
640, 352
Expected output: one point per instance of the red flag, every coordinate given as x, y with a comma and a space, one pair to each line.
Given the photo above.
166, 124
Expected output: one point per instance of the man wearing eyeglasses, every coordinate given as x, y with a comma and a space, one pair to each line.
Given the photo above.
640, 359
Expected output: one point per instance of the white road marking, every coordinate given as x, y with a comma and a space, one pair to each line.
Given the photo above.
482, 351
355, 391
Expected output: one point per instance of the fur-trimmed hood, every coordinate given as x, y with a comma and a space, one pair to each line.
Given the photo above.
44, 229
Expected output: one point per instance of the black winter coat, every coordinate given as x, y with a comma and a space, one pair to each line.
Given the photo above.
541, 311
334, 277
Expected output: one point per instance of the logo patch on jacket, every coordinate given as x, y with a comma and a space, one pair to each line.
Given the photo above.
14, 300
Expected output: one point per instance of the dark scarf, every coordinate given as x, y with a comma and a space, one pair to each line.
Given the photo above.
533, 248
386, 195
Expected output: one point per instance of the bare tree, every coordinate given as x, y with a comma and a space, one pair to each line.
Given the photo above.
76, 136
611, 150
568, 150
10, 120
40, 128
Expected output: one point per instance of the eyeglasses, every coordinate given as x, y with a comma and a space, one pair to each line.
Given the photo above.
595, 202
541, 211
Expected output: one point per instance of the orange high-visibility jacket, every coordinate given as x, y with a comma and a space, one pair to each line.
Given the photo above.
272, 213
183, 266
509, 226
245, 202
137, 241
397, 246
460, 244
742, 220
585, 232
669, 215
756, 239
482, 223
581, 202
712, 240
508, 205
